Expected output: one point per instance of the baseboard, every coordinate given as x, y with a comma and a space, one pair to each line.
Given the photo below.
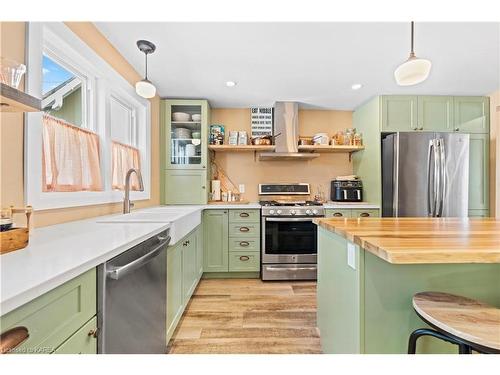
231, 275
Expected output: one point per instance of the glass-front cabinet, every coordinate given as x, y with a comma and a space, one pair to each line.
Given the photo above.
184, 151
186, 134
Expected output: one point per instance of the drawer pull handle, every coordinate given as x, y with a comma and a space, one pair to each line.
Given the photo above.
244, 214
337, 214
244, 258
244, 243
364, 214
244, 229
12, 338
93, 333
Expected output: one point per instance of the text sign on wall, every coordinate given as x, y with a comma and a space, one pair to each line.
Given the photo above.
262, 121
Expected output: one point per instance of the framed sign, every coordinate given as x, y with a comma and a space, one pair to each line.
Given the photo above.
262, 121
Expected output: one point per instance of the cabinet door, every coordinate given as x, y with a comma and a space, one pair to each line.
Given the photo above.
189, 278
435, 113
215, 240
399, 113
479, 172
199, 252
174, 287
472, 114
83, 341
185, 187
185, 139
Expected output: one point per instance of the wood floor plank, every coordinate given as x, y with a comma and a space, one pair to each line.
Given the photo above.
279, 319
227, 333
249, 316
247, 346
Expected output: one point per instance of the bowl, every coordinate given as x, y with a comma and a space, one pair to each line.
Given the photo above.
181, 116
11, 72
196, 117
196, 135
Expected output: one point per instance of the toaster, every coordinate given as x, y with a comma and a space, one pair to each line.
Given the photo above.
346, 191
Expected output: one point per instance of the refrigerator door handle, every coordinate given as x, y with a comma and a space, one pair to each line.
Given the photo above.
437, 177
442, 171
395, 177
430, 195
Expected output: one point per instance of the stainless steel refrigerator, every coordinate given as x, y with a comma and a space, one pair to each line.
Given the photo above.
425, 174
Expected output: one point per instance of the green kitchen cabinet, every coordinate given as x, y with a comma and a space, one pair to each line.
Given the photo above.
184, 162
178, 137
185, 186
472, 114
479, 213
479, 171
183, 275
435, 113
55, 316
215, 241
352, 212
83, 341
174, 288
399, 113
189, 274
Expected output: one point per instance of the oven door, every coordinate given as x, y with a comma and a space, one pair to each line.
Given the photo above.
289, 240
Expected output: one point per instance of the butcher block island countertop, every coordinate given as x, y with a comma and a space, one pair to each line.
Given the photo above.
422, 240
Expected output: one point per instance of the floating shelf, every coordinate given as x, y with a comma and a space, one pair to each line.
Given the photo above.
238, 148
14, 100
325, 149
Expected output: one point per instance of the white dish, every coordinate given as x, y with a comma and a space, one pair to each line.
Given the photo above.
196, 117
181, 116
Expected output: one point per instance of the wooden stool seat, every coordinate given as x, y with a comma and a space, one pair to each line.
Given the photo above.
473, 322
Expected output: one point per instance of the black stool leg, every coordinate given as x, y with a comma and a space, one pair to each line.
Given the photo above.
464, 349
412, 341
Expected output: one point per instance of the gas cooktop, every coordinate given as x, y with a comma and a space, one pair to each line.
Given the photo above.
275, 203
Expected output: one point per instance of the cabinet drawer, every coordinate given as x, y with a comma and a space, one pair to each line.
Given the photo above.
53, 317
244, 230
82, 342
338, 213
365, 213
244, 244
247, 216
241, 261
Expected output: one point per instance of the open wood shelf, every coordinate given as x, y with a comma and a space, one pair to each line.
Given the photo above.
325, 149
14, 100
229, 148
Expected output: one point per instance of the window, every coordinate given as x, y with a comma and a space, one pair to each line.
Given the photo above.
62, 93
93, 127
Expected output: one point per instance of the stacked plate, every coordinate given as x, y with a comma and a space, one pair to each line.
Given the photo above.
182, 133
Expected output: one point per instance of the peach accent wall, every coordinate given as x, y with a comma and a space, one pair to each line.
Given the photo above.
241, 167
12, 42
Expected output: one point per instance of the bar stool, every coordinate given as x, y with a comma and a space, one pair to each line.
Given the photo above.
469, 324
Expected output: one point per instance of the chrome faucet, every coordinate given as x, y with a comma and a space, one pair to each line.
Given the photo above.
127, 204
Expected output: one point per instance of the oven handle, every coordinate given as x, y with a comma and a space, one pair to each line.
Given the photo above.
297, 219
291, 268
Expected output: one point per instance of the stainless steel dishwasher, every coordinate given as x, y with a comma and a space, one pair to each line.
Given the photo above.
132, 299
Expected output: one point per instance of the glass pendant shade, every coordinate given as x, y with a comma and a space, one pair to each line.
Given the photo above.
413, 71
145, 89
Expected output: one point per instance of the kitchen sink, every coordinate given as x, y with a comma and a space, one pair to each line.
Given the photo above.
182, 219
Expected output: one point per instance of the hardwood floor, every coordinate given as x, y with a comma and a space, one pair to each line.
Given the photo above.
248, 316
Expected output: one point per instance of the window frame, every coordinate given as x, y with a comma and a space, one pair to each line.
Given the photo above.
101, 82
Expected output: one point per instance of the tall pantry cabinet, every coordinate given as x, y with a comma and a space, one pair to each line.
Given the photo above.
184, 158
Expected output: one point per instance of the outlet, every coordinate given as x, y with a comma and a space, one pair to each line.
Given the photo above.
241, 188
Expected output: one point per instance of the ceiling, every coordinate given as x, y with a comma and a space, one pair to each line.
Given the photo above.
312, 63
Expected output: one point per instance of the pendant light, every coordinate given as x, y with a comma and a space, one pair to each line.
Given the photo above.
414, 70
144, 87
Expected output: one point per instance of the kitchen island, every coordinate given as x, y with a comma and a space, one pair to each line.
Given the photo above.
370, 268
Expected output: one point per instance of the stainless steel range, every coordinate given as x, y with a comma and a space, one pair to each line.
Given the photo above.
289, 237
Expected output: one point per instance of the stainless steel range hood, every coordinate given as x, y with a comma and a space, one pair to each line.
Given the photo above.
286, 122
